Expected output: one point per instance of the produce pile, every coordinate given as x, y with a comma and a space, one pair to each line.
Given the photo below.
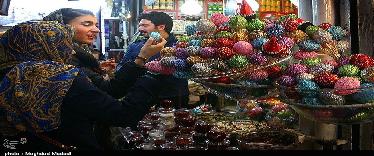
230, 49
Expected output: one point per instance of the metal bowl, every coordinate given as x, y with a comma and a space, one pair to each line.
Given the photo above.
347, 110
235, 91
336, 114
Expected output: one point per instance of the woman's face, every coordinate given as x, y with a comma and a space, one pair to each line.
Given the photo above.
86, 29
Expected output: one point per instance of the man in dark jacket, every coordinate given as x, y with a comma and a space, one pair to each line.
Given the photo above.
177, 89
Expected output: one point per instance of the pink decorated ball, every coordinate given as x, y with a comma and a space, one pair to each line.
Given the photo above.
300, 55
157, 67
347, 85
219, 19
243, 48
296, 69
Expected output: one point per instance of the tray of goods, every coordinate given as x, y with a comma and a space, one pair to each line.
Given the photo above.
270, 139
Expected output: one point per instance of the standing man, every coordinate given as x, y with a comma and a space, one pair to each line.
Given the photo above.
176, 89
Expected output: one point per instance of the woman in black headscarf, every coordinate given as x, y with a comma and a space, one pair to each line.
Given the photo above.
85, 26
54, 104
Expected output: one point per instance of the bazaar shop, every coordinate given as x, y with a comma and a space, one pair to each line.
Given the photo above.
257, 74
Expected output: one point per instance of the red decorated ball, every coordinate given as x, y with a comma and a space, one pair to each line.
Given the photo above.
182, 45
274, 71
300, 21
331, 62
258, 75
326, 80
255, 112
325, 26
223, 79
224, 42
272, 47
361, 60
278, 107
291, 25
225, 52
223, 28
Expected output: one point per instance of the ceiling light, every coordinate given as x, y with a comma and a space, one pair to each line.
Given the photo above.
191, 7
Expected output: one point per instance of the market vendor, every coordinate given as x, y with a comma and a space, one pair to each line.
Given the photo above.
177, 89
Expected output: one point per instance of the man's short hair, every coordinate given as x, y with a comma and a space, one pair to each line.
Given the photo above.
158, 18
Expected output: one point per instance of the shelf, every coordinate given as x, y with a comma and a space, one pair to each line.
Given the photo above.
162, 5
111, 18
217, 5
162, 10
178, 32
177, 3
275, 12
276, 7
172, 11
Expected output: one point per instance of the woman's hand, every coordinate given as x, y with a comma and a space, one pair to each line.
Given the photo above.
108, 65
149, 49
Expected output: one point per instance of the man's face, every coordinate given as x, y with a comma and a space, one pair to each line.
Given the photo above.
86, 29
146, 27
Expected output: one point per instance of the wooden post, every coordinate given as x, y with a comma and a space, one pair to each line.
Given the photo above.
323, 11
345, 10
346, 134
345, 17
305, 10
365, 13
366, 141
306, 126
220, 103
325, 132
365, 9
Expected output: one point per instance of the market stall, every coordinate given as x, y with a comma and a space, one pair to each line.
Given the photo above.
274, 69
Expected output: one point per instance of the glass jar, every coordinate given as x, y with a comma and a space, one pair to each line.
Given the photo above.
181, 113
187, 121
157, 138
135, 140
154, 116
171, 134
215, 136
166, 106
183, 141
145, 128
202, 127
200, 139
